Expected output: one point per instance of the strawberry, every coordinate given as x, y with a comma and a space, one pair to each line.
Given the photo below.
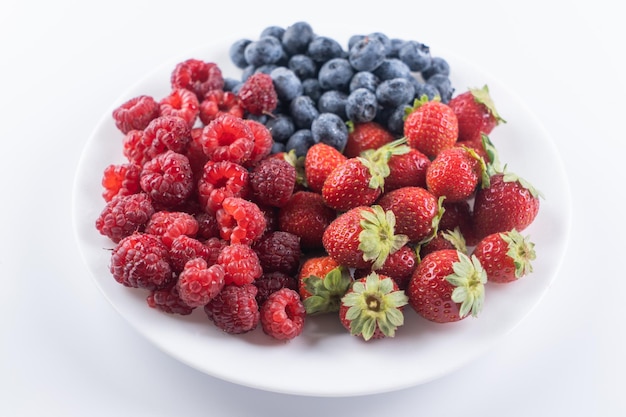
506, 257
455, 173
476, 114
306, 216
373, 307
508, 203
399, 266
360, 181
430, 126
417, 212
447, 286
458, 215
319, 161
445, 239
407, 170
321, 284
364, 136
363, 237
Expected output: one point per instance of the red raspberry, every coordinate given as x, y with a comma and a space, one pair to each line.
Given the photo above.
240, 221
195, 154
134, 147
234, 309
279, 252
182, 103
167, 178
166, 132
283, 314
207, 225
241, 264
197, 76
220, 180
258, 95
124, 215
168, 225
141, 260
136, 113
271, 218
199, 283
217, 102
215, 245
272, 182
271, 282
306, 216
184, 248
168, 300
263, 141
227, 138
120, 179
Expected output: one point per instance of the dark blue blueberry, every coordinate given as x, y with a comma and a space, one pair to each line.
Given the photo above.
335, 74
303, 111
333, 101
361, 105
303, 66
392, 68
396, 44
364, 79
265, 68
232, 84
384, 39
247, 72
236, 53
438, 65
311, 87
277, 147
330, 129
281, 127
300, 142
395, 120
416, 55
392, 93
323, 48
286, 83
265, 50
367, 54
353, 40
443, 85
425, 89
297, 37
275, 31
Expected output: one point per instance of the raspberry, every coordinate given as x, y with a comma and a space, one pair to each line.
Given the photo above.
283, 315
215, 245
241, 264
272, 182
168, 300
263, 141
199, 283
120, 179
217, 102
182, 103
166, 132
124, 215
271, 218
306, 216
197, 76
207, 225
227, 138
170, 225
141, 260
234, 310
136, 113
279, 252
258, 95
220, 180
167, 178
240, 221
184, 248
271, 282
134, 147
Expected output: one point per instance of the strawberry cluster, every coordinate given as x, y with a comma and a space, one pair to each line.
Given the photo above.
204, 213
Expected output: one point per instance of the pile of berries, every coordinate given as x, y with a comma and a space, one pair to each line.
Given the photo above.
209, 211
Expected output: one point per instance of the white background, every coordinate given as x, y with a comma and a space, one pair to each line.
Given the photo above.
64, 351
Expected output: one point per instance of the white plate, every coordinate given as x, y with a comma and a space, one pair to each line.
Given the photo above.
325, 360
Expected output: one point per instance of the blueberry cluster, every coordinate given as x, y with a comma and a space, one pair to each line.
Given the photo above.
321, 85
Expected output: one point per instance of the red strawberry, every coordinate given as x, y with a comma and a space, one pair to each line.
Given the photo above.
306, 216
364, 136
506, 257
322, 282
476, 113
431, 126
447, 286
445, 239
407, 170
363, 237
458, 215
508, 203
319, 161
455, 173
372, 307
399, 266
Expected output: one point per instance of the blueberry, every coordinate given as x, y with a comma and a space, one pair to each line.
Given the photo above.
384, 39
303, 66
361, 105
311, 87
247, 72
297, 37
303, 111
437, 66
265, 68
236, 53
323, 48
281, 127
333, 101
275, 31
286, 83
443, 85
353, 40
396, 44
425, 89
416, 55
277, 147
300, 142
330, 129
392, 68
395, 120
232, 84
364, 79
265, 50
392, 93
335, 74
367, 54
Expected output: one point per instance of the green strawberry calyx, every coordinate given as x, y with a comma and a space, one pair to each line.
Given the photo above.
482, 96
377, 161
493, 166
377, 239
456, 238
374, 303
512, 177
469, 279
326, 292
521, 250
482, 166
419, 102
